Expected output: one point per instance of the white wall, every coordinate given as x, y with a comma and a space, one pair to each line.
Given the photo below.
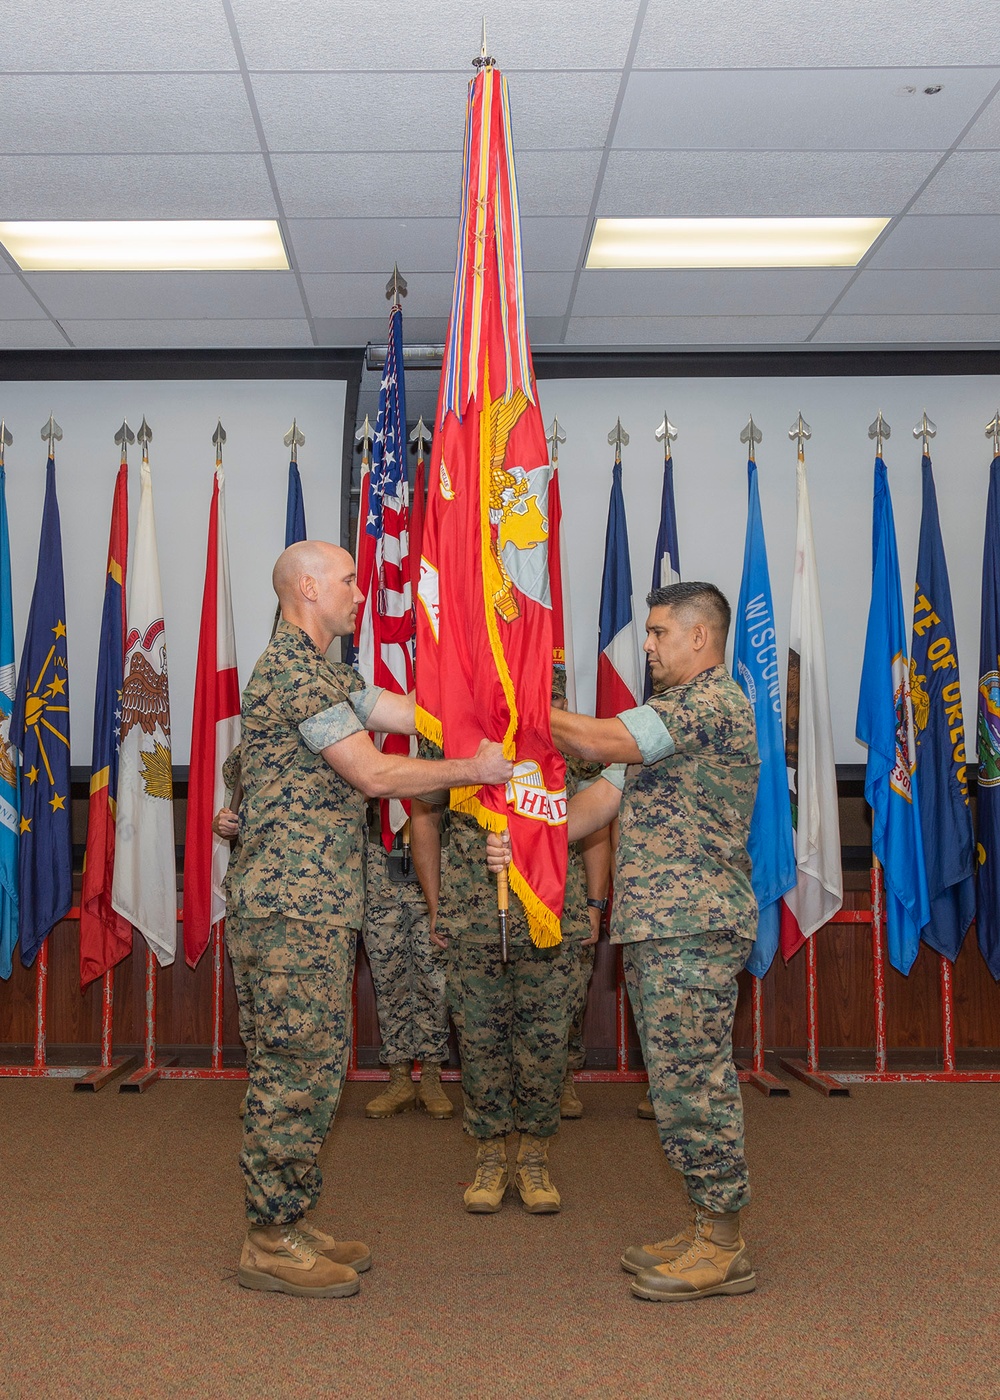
256, 413
710, 492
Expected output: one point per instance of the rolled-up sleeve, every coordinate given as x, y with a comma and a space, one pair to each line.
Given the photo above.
615, 775
331, 725
364, 701
651, 735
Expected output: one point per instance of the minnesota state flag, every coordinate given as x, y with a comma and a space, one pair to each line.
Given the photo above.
39, 727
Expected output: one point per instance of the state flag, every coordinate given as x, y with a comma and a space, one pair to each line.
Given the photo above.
10, 759
619, 674
988, 735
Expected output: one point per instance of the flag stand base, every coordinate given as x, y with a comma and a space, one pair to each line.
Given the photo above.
145, 1077
764, 1081
826, 1084
96, 1079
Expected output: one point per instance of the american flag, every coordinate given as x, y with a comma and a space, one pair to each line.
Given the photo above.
383, 633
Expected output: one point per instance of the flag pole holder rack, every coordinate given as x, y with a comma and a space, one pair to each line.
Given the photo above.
834, 1083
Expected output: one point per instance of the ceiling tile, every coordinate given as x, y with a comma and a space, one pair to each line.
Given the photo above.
374, 245
545, 330
749, 183
781, 33
799, 110
895, 293
17, 302
552, 244
356, 36
985, 135
30, 335
914, 330
170, 296
667, 331
152, 112
155, 187
690, 292
966, 184
362, 111
362, 294
99, 335
940, 241
116, 36
330, 186
344, 330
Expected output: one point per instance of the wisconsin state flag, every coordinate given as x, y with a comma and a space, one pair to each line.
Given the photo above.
484, 638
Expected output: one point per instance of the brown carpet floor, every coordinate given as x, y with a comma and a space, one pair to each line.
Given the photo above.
874, 1235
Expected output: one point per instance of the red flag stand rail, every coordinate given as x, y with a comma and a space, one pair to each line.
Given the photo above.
834, 1082
89, 1078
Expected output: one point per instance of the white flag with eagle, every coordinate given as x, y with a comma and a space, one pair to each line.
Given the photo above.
145, 880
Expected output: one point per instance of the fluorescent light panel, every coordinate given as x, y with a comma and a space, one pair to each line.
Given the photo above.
146, 245
636, 243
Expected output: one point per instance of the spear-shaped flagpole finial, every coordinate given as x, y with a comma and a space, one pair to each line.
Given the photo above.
618, 438
554, 436
800, 430
925, 429
666, 433
219, 437
52, 433
364, 435
6, 438
395, 288
124, 436
420, 436
144, 436
879, 431
993, 431
294, 439
484, 60
751, 435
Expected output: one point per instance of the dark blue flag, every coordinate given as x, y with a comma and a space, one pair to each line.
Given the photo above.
39, 726
988, 795
295, 511
666, 555
755, 667
949, 847
885, 724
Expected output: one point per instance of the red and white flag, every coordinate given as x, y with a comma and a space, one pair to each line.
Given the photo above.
215, 732
812, 771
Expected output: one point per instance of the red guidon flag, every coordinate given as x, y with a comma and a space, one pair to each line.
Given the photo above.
484, 625
215, 732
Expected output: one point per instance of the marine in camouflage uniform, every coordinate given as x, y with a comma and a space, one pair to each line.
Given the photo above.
686, 917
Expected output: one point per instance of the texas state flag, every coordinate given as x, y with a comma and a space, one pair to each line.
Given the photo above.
619, 675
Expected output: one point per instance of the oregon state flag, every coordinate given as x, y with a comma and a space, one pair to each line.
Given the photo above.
484, 624
39, 727
106, 937
988, 737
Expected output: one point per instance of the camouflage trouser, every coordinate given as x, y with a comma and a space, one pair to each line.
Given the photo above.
239, 957
512, 1031
683, 994
582, 971
408, 978
299, 976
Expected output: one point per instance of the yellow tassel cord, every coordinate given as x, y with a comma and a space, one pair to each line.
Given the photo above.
493, 632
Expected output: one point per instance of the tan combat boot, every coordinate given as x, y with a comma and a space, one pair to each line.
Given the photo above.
430, 1094
531, 1176
400, 1093
716, 1262
644, 1108
647, 1256
279, 1259
354, 1253
485, 1195
569, 1104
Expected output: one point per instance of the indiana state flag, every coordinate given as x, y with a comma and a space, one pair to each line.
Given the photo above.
885, 724
39, 727
755, 667
10, 799
988, 731
936, 694
295, 511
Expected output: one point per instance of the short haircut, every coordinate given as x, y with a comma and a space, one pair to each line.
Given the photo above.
699, 602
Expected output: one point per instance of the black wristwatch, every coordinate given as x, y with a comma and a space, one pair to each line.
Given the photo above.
601, 904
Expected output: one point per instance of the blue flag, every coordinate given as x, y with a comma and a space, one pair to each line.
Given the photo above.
885, 724
10, 799
988, 731
755, 667
295, 511
666, 555
39, 726
949, 846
